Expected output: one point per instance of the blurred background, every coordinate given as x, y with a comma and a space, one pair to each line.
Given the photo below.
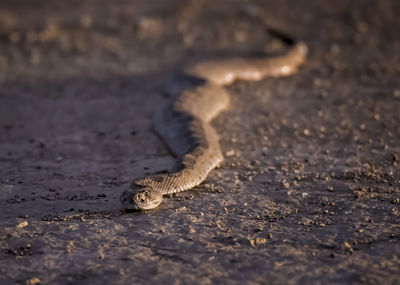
65, 38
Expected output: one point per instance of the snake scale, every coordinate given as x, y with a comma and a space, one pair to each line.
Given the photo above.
184, 123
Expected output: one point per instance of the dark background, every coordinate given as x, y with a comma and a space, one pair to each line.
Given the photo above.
309, 191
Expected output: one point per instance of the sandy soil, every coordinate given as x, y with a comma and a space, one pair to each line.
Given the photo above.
310, 189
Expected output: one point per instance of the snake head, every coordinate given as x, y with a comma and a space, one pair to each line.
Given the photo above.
141, 198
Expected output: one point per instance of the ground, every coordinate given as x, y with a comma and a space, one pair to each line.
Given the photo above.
309, 192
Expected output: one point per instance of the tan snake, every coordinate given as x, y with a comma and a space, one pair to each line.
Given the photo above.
185, 126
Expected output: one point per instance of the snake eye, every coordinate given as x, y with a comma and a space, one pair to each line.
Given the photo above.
142, 197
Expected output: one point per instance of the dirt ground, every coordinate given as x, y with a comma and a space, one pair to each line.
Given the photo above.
309, 192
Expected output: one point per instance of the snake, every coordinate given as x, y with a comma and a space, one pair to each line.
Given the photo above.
184, 123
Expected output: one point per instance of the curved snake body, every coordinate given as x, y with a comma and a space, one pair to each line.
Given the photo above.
184, 123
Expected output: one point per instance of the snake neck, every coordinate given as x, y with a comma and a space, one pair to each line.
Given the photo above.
192, 167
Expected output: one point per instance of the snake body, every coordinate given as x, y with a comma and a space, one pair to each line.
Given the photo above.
184, 123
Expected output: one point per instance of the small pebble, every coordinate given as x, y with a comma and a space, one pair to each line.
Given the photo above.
22, 225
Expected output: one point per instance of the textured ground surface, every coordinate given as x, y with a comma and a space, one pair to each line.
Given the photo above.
309, 191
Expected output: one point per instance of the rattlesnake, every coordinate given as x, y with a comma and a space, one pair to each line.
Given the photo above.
184, 123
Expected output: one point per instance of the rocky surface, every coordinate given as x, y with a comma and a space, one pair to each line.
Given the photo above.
310, 189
